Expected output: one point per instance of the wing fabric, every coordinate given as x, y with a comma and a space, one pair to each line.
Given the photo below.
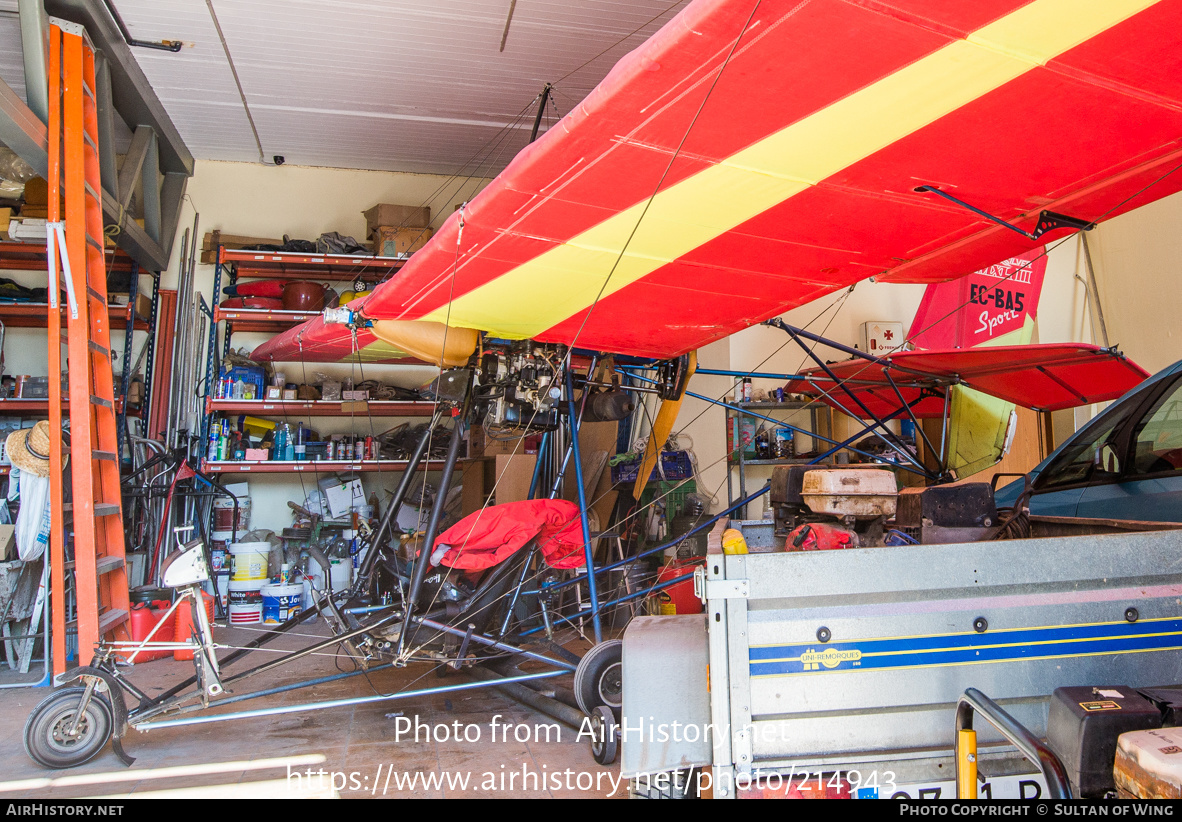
1046, 377
750, 158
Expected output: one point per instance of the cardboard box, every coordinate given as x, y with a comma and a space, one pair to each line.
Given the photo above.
5, 219
398, 216
343, 496
7, 542
509, 475
390, 241
482, 445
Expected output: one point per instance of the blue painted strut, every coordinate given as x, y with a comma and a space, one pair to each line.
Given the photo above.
575, 421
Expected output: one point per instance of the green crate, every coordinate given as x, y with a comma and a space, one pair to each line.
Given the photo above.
672, 493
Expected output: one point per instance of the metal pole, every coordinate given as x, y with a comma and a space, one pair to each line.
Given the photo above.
399, 496
34, 25
533, 135
1095, 291
575, 421
539, 465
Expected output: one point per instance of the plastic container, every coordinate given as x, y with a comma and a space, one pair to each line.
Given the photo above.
248, 561
678, 598
144, 617
863, 493
342, 574
184, 629
246, 601
281, 601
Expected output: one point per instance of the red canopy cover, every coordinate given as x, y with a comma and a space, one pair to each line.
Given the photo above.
485, 538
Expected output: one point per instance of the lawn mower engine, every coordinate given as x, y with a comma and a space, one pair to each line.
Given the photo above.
820, 507
519, 384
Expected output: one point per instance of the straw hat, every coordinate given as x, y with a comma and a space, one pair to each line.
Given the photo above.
28, 449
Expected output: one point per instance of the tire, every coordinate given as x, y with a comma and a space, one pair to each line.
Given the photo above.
599, 678
605, 745
671, 785
45, 730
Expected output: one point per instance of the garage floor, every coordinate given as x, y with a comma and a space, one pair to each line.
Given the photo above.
358, 747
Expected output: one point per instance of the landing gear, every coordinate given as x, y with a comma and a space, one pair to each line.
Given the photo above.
599, 678
69, 727
605, 746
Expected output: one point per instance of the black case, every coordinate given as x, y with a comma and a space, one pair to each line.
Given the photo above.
1082, 728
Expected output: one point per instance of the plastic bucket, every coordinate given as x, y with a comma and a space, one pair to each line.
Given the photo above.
281, 601
246, 601
248, 561
678, 598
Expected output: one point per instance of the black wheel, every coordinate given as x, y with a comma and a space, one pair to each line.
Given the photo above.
48, 737
668, 785
605, 746
599, 678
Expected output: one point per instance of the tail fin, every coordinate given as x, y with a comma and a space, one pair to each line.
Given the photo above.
997, 305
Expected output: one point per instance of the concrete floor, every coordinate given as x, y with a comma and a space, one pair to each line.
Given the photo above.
358, 747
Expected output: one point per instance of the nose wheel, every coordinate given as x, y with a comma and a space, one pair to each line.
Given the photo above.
68, 727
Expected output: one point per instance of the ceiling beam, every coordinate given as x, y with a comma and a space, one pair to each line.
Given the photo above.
22, 131
133, 96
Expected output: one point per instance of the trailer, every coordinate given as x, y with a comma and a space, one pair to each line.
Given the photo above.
837, 673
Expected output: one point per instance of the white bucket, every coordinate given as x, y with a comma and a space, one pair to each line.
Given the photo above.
281, 601
246, 601
248, 561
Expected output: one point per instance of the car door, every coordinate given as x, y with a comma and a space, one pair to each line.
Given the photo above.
1148, 485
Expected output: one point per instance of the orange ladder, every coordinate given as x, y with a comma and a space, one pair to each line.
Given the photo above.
76, 252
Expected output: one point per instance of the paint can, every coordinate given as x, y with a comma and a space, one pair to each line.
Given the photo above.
248, 561
246, 601
281, 601
223, 514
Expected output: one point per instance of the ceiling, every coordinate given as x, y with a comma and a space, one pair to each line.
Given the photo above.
405, 85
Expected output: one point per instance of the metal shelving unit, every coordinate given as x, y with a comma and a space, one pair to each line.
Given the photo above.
820, 422
30, 257
235, 265
312, 466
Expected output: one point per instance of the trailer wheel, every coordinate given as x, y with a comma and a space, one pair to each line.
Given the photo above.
599, 679
670, 785
48, 737
605, 745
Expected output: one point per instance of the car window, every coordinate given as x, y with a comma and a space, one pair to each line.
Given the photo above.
1093, 458
1157, 437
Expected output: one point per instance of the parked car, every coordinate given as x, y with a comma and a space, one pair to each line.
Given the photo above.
1125, 464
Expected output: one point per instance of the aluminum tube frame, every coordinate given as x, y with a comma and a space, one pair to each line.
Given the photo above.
782, 424
396, 501
424, 559
588, 550
496, 645
886, 436
338, 703
973, 701
659, 548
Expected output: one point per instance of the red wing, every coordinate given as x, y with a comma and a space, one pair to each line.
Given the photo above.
1044, 377
750, 158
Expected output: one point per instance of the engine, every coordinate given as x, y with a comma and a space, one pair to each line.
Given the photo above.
519, 385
